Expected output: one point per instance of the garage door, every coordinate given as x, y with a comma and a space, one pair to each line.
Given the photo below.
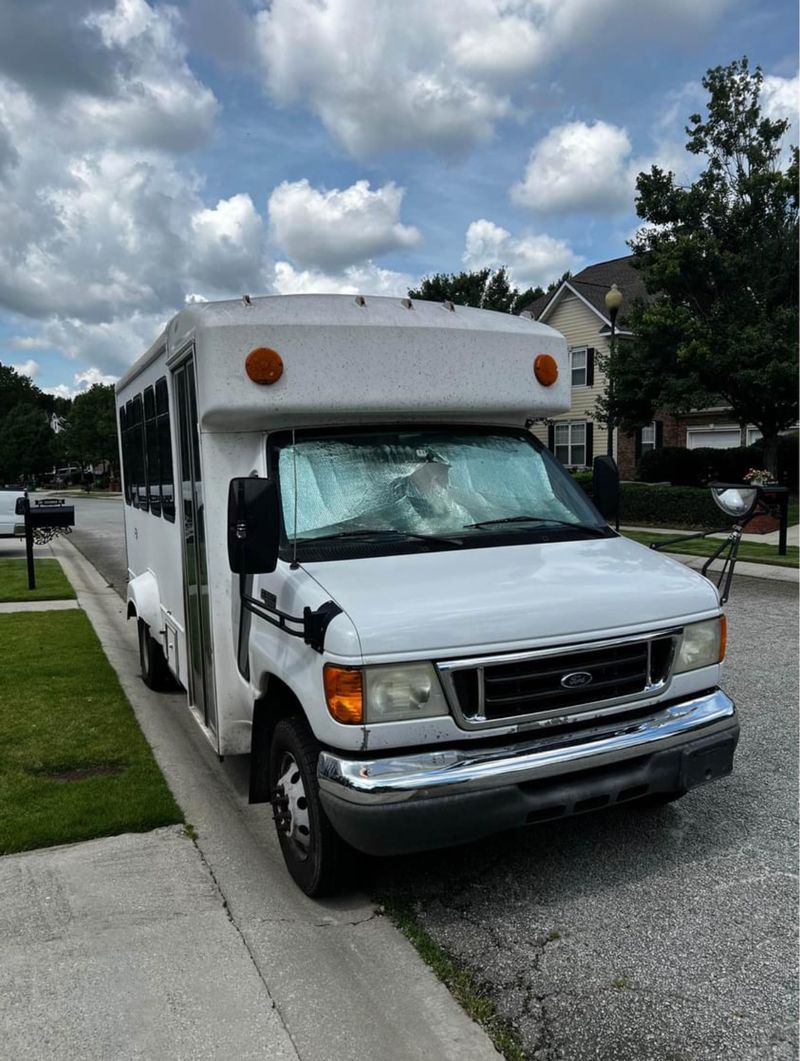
713, 438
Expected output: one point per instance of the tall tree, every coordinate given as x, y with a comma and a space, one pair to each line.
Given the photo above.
482, 288
720, 259
91, 435
25, 443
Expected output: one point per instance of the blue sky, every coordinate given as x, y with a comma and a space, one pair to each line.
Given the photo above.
152, 153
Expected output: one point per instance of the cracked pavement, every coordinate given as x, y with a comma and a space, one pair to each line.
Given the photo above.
665, 934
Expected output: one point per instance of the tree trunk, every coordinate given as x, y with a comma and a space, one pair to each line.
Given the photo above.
771, 454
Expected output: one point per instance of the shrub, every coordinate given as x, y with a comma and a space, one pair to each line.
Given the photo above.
671, 464
669, 506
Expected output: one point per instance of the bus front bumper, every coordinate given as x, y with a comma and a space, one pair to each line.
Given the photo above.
444, 796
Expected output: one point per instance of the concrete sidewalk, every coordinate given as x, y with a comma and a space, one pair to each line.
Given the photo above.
152, 946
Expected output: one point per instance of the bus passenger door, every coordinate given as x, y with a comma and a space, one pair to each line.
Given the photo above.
195, 566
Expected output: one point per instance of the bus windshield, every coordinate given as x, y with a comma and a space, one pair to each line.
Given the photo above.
457, 483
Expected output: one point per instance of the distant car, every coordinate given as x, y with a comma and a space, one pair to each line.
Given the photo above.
11, 525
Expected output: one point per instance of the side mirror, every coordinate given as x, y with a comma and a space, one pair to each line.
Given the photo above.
253, 526
20, 506
605, 488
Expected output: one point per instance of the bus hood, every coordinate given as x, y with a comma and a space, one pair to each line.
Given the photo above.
430, 605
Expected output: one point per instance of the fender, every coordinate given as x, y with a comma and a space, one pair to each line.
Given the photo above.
145, 600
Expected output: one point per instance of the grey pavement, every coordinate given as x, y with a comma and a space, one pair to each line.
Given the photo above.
343, 981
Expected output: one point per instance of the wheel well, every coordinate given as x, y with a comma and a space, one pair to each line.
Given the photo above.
276, 702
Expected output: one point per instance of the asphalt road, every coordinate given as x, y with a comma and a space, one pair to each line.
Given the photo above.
668, 935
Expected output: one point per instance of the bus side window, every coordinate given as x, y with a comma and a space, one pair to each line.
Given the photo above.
151, 452
126, 469
165, 450
137, 456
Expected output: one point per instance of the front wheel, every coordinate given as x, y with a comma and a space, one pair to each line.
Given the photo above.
312, 850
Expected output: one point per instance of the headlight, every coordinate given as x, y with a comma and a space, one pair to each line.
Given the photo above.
702, 645
410, 690
383, 694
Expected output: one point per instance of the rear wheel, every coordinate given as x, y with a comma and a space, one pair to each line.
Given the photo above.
156, 674
312, 850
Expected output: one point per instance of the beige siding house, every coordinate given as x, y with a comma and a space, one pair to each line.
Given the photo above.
577, 309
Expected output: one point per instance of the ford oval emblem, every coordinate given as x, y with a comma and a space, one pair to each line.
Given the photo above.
576, 679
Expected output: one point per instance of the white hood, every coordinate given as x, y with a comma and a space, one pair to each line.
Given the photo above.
451, 602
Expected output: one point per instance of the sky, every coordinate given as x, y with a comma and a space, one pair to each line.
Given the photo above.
153, 154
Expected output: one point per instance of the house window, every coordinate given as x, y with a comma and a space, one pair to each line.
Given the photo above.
578, 368
570, 443
753, 435
648, 437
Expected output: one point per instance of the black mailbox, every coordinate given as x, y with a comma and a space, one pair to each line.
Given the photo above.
47, 514
45, 519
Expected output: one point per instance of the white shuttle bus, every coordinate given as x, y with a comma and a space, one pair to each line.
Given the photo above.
346, 545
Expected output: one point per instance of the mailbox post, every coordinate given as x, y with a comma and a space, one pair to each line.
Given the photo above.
44, 520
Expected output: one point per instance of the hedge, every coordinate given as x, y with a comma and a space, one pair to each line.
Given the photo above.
682, 507
694, 467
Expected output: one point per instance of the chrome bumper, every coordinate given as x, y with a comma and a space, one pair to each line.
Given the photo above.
448, 772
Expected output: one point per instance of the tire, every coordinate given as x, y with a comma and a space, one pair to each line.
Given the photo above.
156, 674
312, 850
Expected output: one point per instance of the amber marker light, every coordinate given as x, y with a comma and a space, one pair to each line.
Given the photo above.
723, 636
343, 694
263, 365
545, 368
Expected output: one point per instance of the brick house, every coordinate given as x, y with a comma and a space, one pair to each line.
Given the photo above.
577, 309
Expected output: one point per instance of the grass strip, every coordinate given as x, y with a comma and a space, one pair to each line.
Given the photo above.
51, 583
472, 998
752, 552
73, 762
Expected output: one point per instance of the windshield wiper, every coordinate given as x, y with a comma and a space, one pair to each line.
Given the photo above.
376, 533
599, 531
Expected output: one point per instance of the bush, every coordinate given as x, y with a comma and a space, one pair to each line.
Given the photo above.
682, 507
787, 459
671, 464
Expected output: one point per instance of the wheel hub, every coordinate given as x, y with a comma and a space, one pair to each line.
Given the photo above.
290, 805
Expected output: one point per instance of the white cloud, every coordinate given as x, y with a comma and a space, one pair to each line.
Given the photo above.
780, 98
81, 381
578, 166
27, 342
386, 75
531, 259
334, 229
367, 279
28, 368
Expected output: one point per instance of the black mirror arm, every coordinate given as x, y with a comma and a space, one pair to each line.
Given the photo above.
313, 624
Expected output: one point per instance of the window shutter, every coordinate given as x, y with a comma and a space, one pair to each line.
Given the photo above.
551, 437
589, 443
590, 367
637, 444
659, 434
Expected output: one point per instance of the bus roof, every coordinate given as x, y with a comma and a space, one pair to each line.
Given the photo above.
370, 359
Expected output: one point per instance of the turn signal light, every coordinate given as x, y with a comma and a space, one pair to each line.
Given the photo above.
723, 636
344, 694
545, 368
263, 365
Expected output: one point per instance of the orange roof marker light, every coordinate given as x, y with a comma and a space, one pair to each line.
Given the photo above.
264, 365
545, 368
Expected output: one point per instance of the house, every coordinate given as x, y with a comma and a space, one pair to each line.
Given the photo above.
577, 309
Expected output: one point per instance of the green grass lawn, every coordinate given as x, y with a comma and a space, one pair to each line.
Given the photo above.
51, 584
73, 761
753, 552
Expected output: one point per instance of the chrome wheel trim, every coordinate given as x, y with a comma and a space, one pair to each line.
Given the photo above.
291, 805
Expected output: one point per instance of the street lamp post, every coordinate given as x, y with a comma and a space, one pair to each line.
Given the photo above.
613, 301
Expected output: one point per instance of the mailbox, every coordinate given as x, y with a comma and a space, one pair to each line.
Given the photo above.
51, 514
45, 519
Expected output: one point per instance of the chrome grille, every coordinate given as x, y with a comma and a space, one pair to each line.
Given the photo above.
553, 683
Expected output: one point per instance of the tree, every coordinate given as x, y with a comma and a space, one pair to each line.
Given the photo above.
481, 288
719, 259
91, 434
25, 443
